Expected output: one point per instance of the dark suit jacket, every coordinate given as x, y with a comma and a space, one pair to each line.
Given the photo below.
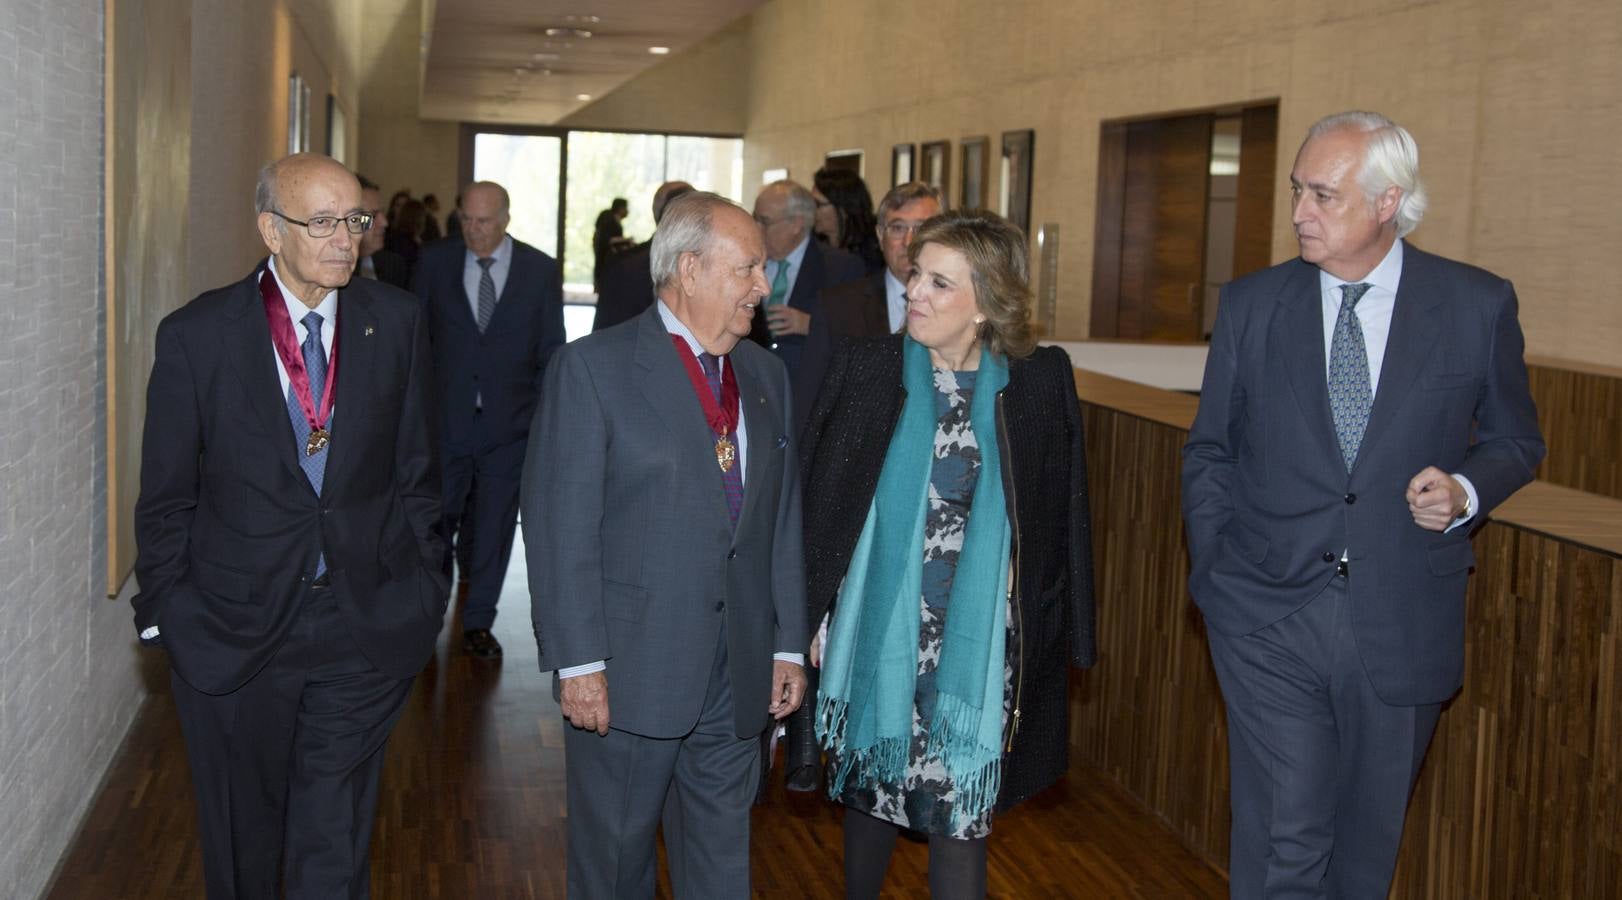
391, 268
853, 309
624, 288
227, 525
502, 366
1270, 506
821, 268
1045, 484
633, 558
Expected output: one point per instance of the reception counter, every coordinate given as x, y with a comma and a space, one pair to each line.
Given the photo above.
1521, 793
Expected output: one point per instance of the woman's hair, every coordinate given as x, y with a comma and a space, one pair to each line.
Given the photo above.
411, 218
1001, 272
858, 230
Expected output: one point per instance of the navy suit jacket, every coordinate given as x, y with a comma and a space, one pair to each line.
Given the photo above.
502, 367
228, 528
1267, 500
822, 267
633, 558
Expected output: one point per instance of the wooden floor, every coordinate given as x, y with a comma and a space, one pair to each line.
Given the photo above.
473, 807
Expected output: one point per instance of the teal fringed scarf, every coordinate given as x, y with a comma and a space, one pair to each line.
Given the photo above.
864, 706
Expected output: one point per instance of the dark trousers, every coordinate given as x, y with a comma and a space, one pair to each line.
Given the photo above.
491, 475
285, 768
700, 786
1321, 767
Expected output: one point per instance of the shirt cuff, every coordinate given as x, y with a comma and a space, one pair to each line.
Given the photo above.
585, 669
1474, 507
795, 658
149, 633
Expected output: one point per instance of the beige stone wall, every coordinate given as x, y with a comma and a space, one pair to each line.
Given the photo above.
704, 90
398, 149
1517, 110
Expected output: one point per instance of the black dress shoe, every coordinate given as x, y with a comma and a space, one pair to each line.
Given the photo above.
481, 643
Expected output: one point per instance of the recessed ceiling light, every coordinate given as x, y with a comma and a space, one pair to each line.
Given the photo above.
582, 97
568, 32
589, 20
545, 57
659, 51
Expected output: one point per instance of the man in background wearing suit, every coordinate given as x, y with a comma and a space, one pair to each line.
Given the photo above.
375, 262
1363, 406
495, 316
625, 289
286, 528
798, 270
662, 523
871, 306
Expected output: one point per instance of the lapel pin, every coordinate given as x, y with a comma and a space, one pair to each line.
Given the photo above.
369, 331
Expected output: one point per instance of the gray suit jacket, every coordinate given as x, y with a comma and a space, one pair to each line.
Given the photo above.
632, 556
1270, 506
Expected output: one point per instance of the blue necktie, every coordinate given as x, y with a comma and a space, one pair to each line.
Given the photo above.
315, 364
731, 479
1350, 395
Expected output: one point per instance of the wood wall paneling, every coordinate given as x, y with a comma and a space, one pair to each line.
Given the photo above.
1107, 230
1580, 412
1253, 218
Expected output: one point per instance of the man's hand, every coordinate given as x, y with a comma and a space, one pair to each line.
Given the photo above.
585, 701
786, 319
788, 688
1435, 499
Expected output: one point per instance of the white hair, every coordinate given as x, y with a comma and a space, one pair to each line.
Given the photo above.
797, 201
1390, 159
685, 228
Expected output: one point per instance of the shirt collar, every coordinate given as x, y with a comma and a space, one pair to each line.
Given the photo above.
675, 327
296, 310
796, 255
893, 286
1384, 276
501, 254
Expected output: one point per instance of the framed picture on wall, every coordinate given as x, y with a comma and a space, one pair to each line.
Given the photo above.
848, 160
901, 163
337, 131
1017, 147
976, 172
936, 169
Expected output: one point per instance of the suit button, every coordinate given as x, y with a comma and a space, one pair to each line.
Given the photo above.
1350, 499
1329, 557
720, 605
732, 554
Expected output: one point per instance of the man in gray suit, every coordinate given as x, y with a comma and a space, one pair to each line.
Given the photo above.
661, 510
1363, 406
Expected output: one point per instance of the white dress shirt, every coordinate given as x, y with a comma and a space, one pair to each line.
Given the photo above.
471, 270
895, 301
675, 327
1374, 315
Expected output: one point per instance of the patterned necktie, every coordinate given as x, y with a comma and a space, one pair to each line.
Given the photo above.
487, 293
731, 479
1350, 396
779, 295
315, 364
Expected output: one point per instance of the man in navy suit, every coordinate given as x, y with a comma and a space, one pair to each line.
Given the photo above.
1364, 405
798, 269
495, 316
287, 541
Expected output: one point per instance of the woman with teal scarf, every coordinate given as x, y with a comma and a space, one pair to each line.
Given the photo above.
948, 558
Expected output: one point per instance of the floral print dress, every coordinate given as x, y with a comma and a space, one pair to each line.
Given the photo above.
925, 798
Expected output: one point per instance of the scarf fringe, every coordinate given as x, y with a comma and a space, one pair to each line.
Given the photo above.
976, 770
884, 762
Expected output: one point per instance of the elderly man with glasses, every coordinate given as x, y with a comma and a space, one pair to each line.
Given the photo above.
288, 557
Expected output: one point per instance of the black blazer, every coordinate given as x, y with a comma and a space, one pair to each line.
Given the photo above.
503, 366
853, 309
1267, 500
821, 268
624, 288
391, 268
1045, 482
227, 526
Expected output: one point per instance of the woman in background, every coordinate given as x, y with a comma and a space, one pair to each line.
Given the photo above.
845, 215
946, 527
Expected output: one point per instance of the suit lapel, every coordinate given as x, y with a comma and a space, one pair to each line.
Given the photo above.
668, 389
357, 327
1298, 337
1414, 328
756, 414
876, 312
254, 360
809, 279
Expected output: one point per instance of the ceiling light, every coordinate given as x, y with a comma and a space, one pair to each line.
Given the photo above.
545, 57
568, 32
582, 97
659, 51
589, 20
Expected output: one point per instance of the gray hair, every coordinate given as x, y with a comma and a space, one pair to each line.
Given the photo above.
685, 228
799, 203
1390, 159
264, 190
902, 194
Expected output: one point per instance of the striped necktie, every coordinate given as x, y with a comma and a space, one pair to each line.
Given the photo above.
732, 478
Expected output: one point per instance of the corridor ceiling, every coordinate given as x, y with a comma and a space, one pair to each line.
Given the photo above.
531, 61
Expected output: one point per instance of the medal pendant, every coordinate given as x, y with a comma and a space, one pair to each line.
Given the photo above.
317, 442
725, 454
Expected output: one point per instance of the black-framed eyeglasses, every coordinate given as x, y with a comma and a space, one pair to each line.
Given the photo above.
325, 226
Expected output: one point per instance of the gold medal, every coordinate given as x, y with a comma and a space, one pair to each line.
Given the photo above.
725, 453
317, 442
